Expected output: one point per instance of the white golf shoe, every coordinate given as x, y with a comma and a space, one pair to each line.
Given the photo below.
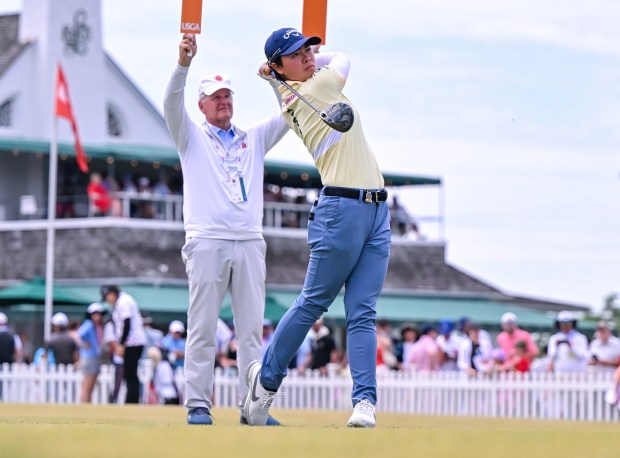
363, 415
256, 407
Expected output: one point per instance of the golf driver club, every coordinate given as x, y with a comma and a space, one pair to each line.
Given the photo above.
338, 116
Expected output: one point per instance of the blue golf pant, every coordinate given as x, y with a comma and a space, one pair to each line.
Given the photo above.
349, 245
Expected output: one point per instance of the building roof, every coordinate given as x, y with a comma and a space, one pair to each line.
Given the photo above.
10, 47
145, 100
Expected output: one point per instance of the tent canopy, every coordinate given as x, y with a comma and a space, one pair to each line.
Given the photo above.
33, 292
297, 175
173, 300
433, 309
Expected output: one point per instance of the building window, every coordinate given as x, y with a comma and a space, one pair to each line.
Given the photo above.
115, 127
5, 113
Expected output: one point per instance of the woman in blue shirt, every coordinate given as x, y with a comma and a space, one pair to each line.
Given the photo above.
91, 335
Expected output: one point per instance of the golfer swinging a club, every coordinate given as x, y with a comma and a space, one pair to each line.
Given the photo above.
348, 231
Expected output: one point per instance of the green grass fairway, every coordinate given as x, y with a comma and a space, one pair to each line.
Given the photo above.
148, 431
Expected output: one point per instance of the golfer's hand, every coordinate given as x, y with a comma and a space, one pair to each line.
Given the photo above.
265, 72
120, 350
187, 45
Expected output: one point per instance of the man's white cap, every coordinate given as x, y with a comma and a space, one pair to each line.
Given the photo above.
209, 84
3, 319
566, 316
176, 326
95, 307
60, 319
508, 317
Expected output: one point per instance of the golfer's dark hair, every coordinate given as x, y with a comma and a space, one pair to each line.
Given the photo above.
277, 61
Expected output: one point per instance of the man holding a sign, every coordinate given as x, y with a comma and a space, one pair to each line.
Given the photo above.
223, 210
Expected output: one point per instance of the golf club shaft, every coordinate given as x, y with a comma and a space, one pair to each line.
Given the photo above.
301, 97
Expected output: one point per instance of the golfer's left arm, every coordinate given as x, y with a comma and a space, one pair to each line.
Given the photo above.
267, 73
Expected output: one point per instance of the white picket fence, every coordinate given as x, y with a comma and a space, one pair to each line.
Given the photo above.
32, 384
577, 396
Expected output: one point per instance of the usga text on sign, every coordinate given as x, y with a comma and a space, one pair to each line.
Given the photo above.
190, 26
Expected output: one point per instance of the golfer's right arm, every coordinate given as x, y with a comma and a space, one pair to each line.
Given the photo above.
335, 60
177, 119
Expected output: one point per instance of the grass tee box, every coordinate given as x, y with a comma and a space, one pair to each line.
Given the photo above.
148, 431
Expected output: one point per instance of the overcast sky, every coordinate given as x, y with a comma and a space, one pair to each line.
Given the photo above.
514, 103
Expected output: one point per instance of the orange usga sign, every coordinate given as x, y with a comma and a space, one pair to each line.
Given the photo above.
315, 19
191, 16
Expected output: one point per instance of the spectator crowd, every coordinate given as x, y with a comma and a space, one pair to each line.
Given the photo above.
466, 347
447, 346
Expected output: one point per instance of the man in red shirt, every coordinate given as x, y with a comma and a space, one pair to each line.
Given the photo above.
98, 196
512, 334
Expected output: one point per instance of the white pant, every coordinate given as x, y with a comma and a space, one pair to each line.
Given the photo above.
214, 267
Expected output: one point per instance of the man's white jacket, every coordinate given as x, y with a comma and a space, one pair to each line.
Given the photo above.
208, 210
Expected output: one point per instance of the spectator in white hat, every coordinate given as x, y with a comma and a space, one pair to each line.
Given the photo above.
62, 343
567, 350
10, 343
174, 344
604, 349
511, 334
91, 335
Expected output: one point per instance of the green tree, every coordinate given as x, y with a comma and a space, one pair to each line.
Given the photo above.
611, 307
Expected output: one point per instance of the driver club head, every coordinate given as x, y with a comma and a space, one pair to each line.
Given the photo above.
339, 117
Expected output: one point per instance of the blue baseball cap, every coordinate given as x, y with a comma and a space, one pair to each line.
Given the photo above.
446, 327
286, 41
463, 322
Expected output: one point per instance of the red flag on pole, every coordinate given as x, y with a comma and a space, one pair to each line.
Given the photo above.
63, 109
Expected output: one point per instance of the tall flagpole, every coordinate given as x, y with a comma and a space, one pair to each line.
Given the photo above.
51, 218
